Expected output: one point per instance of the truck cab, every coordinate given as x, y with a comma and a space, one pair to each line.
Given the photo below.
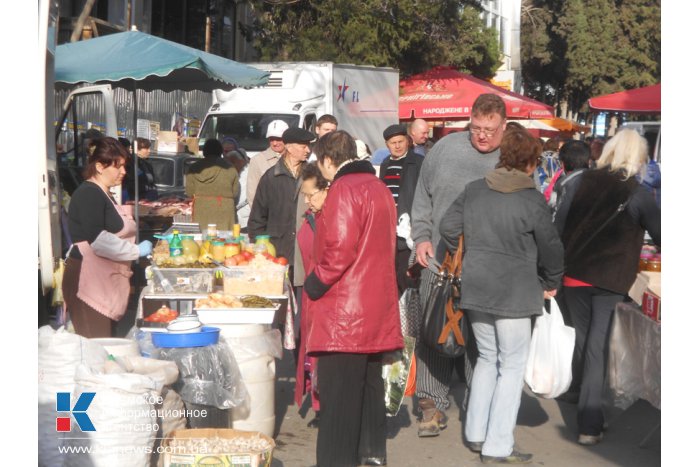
364, 99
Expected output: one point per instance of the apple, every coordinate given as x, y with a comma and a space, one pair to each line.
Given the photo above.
243, 263
230, 261
248, 255
281, 261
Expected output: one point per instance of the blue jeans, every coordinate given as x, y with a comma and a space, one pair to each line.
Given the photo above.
497, 384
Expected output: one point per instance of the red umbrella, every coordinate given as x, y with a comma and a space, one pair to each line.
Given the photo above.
444, 93
640, 100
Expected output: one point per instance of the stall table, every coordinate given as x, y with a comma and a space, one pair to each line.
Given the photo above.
634, 360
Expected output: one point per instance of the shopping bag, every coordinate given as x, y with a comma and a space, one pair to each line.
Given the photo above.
410, 312
411, 380
444, 326
548, 370
395, 376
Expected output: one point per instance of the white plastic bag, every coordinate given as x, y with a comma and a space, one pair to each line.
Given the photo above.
548, 370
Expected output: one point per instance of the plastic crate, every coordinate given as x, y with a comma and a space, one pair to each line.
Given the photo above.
183, 280
247, 280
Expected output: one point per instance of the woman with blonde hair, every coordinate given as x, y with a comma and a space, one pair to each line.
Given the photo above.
603, 235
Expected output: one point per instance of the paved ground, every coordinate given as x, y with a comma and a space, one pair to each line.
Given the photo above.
545, 428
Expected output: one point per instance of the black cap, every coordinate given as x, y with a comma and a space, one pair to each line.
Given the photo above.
297, 135
394, 130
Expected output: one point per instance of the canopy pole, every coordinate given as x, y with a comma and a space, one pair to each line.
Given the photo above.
136, 160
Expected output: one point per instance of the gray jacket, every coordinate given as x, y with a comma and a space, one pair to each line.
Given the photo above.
512, 250
452, 164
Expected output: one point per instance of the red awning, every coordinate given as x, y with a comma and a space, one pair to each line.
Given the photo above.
641, 100
445, 93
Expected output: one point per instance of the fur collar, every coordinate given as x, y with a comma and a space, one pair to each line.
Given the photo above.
359, 166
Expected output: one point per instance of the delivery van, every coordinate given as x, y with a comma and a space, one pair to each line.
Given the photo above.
364, 99
651, 131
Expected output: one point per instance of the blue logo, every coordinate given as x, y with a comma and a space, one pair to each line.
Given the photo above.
79, 411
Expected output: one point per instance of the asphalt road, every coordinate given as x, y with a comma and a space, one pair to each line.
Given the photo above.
546, 428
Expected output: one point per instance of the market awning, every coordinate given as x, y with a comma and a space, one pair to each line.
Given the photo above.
562, 124
640, 100
445, 93
136, 60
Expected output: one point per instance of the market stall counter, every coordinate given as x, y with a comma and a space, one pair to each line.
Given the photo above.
634, 365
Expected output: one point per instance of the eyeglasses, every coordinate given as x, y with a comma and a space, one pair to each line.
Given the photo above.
488, 133
308, 196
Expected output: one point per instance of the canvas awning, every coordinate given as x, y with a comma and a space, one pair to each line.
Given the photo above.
640, 100
445, 93
136, 60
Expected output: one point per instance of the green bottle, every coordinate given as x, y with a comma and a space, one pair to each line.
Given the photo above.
176, 244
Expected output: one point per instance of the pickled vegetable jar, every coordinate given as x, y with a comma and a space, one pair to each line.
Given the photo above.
265, 240
218, 250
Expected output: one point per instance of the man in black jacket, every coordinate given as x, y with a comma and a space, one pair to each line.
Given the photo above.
400, 172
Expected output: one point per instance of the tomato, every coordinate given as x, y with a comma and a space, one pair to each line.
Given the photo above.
281, 261
243, 263
239, 258
248, 255
268, 255
231, 261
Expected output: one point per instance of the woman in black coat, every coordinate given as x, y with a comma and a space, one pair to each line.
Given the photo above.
513, 259
603, 235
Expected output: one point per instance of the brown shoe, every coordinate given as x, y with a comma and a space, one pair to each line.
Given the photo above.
428, 429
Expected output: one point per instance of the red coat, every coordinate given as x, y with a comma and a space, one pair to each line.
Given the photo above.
354, 251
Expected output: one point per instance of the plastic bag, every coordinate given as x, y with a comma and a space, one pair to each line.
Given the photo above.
548, 370
122, 414
395, 376
410, 312
208, 375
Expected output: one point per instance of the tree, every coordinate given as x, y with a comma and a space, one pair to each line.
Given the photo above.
578, 49
411, 35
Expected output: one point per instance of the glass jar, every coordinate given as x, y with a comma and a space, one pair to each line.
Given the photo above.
190, 249
236, 231
265, 240
232, 249
218, 251
654, 264
644, 260
211, 231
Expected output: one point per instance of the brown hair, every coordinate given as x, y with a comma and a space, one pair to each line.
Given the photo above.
338, 146
327, 118
311, 171
487, 104
142, 143
519, 150
107, 152
552, 144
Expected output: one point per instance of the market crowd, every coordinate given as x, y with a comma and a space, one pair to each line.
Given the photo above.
563, 221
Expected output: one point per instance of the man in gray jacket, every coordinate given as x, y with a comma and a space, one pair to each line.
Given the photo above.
455, 160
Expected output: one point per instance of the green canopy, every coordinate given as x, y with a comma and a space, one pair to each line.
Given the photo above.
135, 60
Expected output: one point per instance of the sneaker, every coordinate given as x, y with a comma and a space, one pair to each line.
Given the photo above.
514, 458
590, 440
475, 446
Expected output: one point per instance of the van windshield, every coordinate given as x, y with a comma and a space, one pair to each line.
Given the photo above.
248, 129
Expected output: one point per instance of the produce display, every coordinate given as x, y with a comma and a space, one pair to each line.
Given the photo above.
217, 300
162, 315
216, 445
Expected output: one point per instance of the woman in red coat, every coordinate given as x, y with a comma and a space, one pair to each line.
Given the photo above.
354, 307
314, 189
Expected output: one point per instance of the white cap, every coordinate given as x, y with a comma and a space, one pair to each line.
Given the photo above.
276, 128
361, 149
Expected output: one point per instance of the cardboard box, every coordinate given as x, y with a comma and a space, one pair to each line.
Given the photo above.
193, 145
651, 306
169, 142
646, 280
173, 457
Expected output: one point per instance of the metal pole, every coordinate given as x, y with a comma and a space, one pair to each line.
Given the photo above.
136, 163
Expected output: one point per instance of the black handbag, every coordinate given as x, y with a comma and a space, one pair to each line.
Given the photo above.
443, 328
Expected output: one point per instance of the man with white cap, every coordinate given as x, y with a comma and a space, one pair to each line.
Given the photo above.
267, 158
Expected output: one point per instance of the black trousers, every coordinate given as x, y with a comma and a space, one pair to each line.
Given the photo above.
591, 310
353, 415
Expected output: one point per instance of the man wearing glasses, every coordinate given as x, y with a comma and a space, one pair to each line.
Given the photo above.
455, 160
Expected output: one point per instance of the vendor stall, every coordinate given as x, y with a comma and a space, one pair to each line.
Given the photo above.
246, 302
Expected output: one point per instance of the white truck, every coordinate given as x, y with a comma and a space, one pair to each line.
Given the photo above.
364, 99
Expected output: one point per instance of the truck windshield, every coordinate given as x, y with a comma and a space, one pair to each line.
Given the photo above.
248, 129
